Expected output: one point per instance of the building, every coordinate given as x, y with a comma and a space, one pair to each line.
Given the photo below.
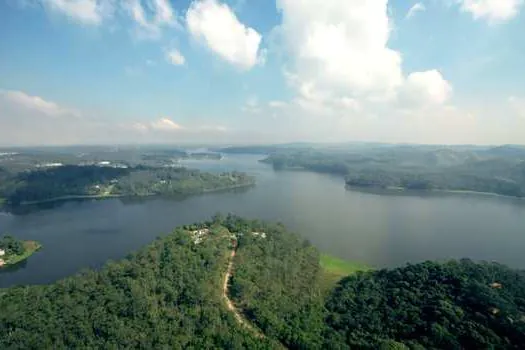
2, 252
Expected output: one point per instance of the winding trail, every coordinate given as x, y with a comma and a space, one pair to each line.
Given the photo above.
240, 318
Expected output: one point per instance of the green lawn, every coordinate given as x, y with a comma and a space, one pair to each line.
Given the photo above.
31, 247
334, 269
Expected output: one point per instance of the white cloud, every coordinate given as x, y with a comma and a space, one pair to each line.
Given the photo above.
165, 124
218, 26
341, 65
426, 87
492, 10
418, 7
175, 57
341, 43
151, 22
91, 12
20, 99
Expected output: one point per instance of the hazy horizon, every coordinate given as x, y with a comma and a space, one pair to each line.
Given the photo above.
237, 72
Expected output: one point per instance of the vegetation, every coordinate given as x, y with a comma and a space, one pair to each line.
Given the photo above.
334, 269
276, 285
499, 170
170, 295
73, 181
17, 251
430, 306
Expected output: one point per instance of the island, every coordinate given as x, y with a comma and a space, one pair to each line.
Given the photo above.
101, 181
14, 251
236, 283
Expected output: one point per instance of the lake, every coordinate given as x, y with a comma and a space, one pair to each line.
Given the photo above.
382, 230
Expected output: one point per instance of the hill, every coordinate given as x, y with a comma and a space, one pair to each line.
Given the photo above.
235, 283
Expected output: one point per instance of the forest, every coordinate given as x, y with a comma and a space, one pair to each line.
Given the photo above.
170, 295
105, 181
499, 170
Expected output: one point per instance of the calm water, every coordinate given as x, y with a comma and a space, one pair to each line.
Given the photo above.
381, 230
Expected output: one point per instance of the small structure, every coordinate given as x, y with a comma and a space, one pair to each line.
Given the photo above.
259, 234
2, 252
496, 285
198, 236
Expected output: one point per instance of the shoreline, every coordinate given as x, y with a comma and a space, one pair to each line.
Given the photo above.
393, 189
113, 196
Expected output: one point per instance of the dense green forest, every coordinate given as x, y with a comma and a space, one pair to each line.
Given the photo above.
430, 306
170, 295
103, 181
277, 285
499, 170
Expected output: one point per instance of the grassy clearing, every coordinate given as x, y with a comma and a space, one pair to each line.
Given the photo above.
334, 269
31, 247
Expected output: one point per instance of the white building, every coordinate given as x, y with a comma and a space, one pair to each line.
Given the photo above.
2, 252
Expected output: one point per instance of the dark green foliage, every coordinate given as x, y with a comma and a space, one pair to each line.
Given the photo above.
499, 170
276, 285
72, 181
434, 306
68, 180
166, 296
178, 181
11, 245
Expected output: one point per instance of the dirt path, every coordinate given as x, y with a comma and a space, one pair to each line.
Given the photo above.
240, 318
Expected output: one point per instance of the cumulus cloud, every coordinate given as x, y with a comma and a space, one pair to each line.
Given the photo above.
418, 7
340, 62
175, 57
90, 12
341, 43
219, 28
427, 87
492, 10
151, 18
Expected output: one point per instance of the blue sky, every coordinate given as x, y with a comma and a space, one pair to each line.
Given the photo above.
258, 71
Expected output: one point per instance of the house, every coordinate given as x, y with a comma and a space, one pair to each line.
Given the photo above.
2, 252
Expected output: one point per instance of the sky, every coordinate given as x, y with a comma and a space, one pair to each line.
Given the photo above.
262, 71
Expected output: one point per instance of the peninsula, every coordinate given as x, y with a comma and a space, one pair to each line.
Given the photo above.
14, 251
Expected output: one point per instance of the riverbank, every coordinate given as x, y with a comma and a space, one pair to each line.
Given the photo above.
408, 191
112, 196
30, 248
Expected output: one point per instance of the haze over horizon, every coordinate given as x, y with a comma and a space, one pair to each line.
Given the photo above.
252, 72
